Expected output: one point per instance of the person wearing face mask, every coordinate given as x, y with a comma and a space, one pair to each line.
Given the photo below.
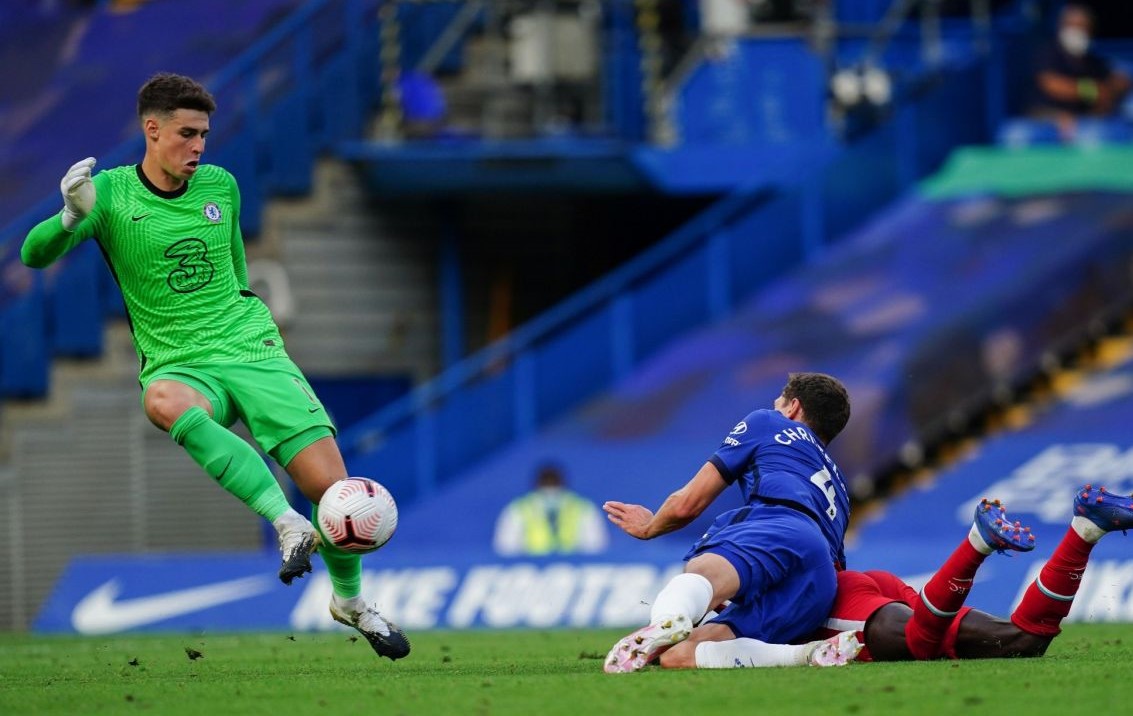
550, 520
1075, 81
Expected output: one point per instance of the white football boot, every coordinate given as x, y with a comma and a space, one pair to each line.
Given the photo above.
384, 636
838, 650
633, 652
297, 542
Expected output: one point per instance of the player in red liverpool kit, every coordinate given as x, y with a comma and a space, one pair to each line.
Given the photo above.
897, 624
878, 613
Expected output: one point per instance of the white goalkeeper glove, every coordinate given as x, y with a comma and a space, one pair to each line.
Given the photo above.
78, 193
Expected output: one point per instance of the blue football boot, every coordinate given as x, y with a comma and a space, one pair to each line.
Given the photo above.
999, 533
1106, 510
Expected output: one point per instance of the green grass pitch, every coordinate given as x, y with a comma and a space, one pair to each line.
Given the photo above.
525, 673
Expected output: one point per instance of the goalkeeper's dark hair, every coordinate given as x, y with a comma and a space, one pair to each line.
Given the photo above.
825, 401
165, 93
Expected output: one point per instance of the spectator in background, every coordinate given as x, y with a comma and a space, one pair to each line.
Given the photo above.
1073, 81
550, 520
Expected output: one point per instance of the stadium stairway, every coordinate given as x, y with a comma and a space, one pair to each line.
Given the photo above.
360, 278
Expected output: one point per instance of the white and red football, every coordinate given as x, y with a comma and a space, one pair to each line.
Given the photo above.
357, 515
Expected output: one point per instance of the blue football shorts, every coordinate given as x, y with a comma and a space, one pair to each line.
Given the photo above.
787, 576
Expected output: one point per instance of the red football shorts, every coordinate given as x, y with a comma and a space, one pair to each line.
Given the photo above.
861, 594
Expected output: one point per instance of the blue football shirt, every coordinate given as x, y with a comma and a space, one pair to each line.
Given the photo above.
779, 461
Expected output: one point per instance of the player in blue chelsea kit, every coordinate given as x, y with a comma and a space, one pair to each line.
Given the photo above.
774, 560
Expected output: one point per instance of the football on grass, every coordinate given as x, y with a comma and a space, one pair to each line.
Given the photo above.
357, 515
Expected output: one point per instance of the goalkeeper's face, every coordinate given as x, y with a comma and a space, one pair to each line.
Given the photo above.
177, 141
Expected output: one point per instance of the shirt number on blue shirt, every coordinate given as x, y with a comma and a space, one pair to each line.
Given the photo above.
824, 482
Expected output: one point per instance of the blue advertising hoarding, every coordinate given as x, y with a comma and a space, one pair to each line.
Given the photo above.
237, 592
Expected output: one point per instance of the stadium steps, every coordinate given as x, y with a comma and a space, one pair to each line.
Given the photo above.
1091, 357
118, 364
361, 277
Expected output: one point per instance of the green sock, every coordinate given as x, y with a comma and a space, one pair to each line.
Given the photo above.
344, 568
230, 461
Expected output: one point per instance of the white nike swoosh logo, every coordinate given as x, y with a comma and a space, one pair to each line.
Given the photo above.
99, 613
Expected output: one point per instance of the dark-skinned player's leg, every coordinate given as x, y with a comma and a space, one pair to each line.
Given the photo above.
943, 595
1049, 598
979, 635
885, 633
985, 636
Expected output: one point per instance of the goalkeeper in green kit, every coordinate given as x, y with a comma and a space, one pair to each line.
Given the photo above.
209, 350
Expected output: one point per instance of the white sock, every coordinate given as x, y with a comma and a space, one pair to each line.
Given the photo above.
687, 595
290, 520
353, 605
1086, 529
977, 541
745, 653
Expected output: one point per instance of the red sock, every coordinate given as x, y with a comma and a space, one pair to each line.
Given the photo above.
1049, 598
940, 599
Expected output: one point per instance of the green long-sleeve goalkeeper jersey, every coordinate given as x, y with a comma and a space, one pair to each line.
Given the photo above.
178, 258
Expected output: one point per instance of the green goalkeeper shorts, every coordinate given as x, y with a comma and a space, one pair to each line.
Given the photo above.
271, 397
